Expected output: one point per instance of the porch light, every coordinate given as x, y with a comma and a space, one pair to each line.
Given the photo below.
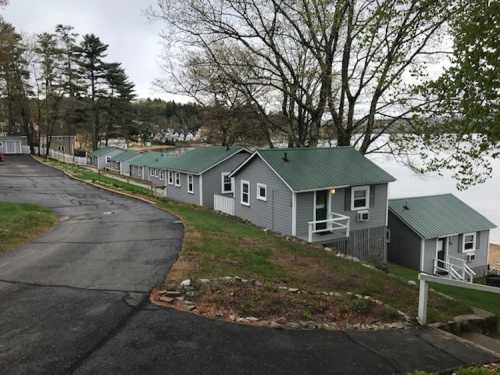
332, 191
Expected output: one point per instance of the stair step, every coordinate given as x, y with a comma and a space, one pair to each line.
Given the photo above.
483, 340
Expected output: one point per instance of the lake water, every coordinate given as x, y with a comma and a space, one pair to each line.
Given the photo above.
485, 197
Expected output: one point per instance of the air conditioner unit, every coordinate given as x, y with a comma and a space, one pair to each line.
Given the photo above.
470, 257
363, 216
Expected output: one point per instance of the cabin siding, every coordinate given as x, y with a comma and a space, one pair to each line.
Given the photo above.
276, 212
305, 213
180, 193
212, 179
405, 245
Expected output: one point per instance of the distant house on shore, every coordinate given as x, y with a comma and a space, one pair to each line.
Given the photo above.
439, 234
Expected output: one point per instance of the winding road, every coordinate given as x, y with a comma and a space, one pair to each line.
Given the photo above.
74, 301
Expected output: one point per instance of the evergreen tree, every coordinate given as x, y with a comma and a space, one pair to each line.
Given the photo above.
91, 52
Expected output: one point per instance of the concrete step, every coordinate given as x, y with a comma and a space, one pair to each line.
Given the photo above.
491, 343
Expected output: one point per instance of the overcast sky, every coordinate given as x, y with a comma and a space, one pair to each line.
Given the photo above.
132, 39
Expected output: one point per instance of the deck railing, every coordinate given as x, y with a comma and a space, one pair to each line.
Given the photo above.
224, 204
335, 223
454, 268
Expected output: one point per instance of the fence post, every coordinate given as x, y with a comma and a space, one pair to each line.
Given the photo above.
423, 298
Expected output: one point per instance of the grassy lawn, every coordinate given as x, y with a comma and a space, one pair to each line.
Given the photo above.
216, 246
22, 222
483, 300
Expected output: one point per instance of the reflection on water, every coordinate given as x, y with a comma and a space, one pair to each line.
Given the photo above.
484, 197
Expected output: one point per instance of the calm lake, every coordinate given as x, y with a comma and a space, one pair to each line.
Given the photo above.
484, 197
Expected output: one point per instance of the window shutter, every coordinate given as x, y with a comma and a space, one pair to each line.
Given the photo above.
460, 243
478, 236
347, 199
372, 196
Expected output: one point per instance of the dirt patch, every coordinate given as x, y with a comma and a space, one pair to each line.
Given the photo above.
184, 265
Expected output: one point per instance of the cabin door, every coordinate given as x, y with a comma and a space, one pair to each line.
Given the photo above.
441, 252
321, 208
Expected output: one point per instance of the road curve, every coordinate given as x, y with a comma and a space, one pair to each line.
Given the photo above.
75, 301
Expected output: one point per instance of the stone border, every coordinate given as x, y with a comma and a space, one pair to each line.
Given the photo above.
179, 299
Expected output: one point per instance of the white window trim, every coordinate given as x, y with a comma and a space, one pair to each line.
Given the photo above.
177, 179
260, 197
225, 174
360, 188
170, 177
473, 250
244, 182
190, 177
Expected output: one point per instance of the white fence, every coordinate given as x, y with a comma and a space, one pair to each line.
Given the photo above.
57, 155
423, 299
224, 204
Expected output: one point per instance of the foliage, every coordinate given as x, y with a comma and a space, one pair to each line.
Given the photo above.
21, 222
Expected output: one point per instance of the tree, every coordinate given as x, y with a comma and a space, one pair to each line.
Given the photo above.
462, 119
15, 81
52, 85
119, 94
346, 61
91, 52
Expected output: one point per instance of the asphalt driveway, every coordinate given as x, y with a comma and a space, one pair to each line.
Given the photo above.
75, 301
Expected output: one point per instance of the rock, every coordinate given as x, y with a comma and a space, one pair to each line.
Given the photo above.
166, 299
328, 249
257, 283
204, 281
355, 259
412, 283
293, 325
293, 290
251, 318
180, 298
337, 294
244, 281
190, 307
173, 293
185, 283
227, 278
238, 279
283, 288
340, 255
274, 324
190, 294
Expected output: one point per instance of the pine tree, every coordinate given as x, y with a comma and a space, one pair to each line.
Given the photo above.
91, 52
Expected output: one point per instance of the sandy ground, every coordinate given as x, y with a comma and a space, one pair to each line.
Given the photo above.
495, 255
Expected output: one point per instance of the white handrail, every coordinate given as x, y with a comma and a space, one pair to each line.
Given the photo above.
424, 291
333, 223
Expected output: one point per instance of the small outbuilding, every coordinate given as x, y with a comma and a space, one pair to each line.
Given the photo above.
439, 234
101, 157
120, 163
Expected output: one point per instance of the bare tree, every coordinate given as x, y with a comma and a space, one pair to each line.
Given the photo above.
346, 63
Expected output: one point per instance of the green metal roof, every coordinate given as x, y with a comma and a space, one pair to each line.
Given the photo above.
321, 168
104, 151
125, 155
438, 215
148, 159
200, 159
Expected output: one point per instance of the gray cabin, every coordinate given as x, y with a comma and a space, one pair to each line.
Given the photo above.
101, 157
334, 196
197, 176
143, 167
120, 163
439, 235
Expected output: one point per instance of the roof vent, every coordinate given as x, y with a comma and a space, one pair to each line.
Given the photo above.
285, 157
406, 207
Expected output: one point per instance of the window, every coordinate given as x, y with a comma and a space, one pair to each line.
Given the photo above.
227, 183
262, 192
469, 244
170, 176
190, 184
151, 172
360, 198
245, 193
156, 172
177, 179
162, 175
108, 158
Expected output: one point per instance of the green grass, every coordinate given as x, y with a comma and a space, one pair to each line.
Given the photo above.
21, 222
483, 300
217, 245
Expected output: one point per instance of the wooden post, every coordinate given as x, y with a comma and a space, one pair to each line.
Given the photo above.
423, 298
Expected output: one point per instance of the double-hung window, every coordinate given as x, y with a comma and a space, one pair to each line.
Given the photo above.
469, 243
151, 172
177, 179
262, 192
245, 193
170, 176
227, 183
360, 198
190, 184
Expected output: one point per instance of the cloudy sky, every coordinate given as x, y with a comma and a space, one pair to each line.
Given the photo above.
132, 39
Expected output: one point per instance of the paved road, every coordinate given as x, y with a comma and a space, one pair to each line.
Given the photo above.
74, 301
